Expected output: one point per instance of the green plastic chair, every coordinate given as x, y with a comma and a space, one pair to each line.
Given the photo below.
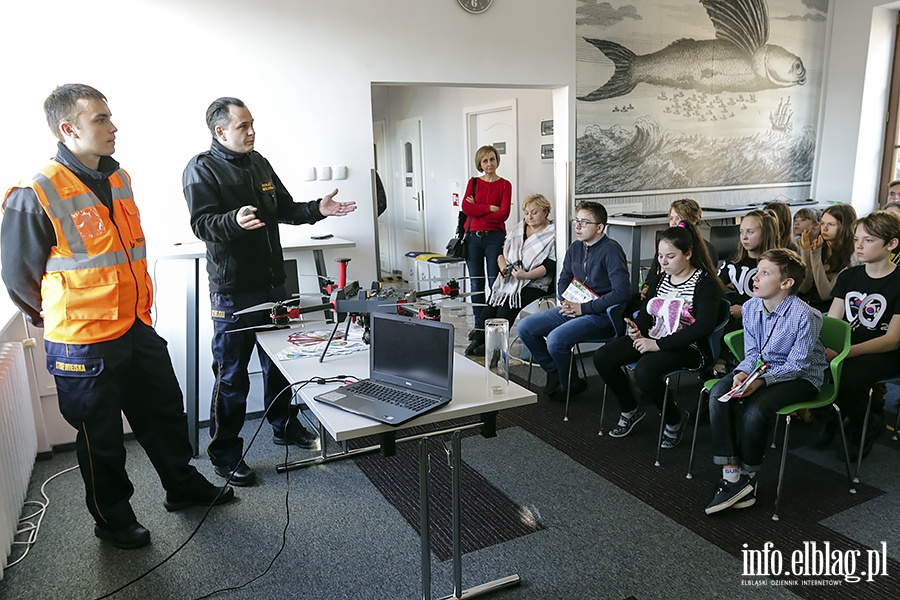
835, 335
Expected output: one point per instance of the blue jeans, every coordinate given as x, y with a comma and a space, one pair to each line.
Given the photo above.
231, 357
549, 336
481, 250
740, 429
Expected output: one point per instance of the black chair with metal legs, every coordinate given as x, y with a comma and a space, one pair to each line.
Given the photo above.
715, 341
862, 439
616, 314
735, 343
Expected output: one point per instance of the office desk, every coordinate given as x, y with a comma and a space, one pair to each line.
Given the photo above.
470, 398
637, 225
195, 251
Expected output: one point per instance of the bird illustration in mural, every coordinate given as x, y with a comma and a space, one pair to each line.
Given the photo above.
738, 60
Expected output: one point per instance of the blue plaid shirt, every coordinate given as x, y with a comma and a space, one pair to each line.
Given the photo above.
787, 338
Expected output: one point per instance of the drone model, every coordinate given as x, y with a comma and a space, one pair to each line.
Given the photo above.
349, 300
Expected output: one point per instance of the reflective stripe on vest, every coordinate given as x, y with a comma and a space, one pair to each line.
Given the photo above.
96, 282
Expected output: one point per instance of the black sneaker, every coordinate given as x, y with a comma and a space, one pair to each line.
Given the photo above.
575, 388
552, 383
671, 438
625, 425
750, 499
729, 494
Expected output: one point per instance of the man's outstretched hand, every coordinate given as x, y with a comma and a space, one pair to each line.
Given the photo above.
329, 207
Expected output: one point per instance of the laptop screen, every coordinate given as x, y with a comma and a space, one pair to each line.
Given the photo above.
413, 353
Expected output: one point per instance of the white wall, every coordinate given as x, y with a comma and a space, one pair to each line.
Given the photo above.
855, 102
305, 70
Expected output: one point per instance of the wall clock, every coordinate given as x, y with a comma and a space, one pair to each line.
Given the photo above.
475, 6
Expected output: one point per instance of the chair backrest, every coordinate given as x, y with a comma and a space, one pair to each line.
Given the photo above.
616, 314
715, 338
735, 343
725, 239
836, 335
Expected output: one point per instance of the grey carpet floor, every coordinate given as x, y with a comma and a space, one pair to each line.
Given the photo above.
345, 540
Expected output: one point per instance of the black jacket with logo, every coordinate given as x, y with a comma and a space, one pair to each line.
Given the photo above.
217, 183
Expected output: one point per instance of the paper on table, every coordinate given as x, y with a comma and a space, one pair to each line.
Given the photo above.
311, 343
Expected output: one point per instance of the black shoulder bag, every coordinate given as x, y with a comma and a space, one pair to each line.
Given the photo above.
456, 247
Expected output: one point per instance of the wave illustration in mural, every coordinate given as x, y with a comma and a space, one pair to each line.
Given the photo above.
617, 159
738, 60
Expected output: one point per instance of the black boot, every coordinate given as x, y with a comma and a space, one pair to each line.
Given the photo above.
476, 344
825, 426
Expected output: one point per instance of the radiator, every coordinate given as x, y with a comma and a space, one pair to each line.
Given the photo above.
18, 442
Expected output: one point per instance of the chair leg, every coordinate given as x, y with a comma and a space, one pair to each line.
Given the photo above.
775, 434
784, 453
862, 439
572, 352
530, 364
662, 422
603, 407
583, 369
840, 419
703, 391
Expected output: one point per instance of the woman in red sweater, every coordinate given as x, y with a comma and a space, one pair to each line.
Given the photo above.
486, 205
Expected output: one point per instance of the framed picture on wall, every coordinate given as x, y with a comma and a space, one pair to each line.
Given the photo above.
547, 127
547, 151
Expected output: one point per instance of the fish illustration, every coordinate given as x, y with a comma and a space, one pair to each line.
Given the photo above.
738, 60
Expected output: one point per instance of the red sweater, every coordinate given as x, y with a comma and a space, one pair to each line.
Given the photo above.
488, 193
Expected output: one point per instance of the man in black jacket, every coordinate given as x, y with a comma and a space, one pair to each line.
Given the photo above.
236, 202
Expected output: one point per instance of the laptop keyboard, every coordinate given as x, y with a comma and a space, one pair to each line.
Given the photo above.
411, 401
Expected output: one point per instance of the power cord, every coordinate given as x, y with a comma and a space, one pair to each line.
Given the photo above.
300, 384
287, 492
26, 525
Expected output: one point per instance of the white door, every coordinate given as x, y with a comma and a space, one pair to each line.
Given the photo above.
410, 189
496, 126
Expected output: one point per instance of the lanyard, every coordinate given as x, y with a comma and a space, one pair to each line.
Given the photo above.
768, 337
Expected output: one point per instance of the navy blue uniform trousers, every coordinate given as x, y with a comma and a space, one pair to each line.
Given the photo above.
231, 357
95, 384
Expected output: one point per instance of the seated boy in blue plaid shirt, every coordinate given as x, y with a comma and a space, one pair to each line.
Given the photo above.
782, 332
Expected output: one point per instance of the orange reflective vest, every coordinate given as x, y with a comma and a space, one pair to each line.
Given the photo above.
96, 282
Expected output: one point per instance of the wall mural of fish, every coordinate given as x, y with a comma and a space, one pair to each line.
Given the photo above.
725, 116
738, 60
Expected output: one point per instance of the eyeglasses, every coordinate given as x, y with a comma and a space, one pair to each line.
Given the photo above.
579, 223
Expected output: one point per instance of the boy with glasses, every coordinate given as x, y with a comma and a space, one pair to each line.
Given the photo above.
598, 263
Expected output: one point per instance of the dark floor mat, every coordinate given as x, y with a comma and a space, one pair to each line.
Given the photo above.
489, 517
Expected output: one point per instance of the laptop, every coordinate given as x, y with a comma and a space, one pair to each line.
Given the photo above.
410, 371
